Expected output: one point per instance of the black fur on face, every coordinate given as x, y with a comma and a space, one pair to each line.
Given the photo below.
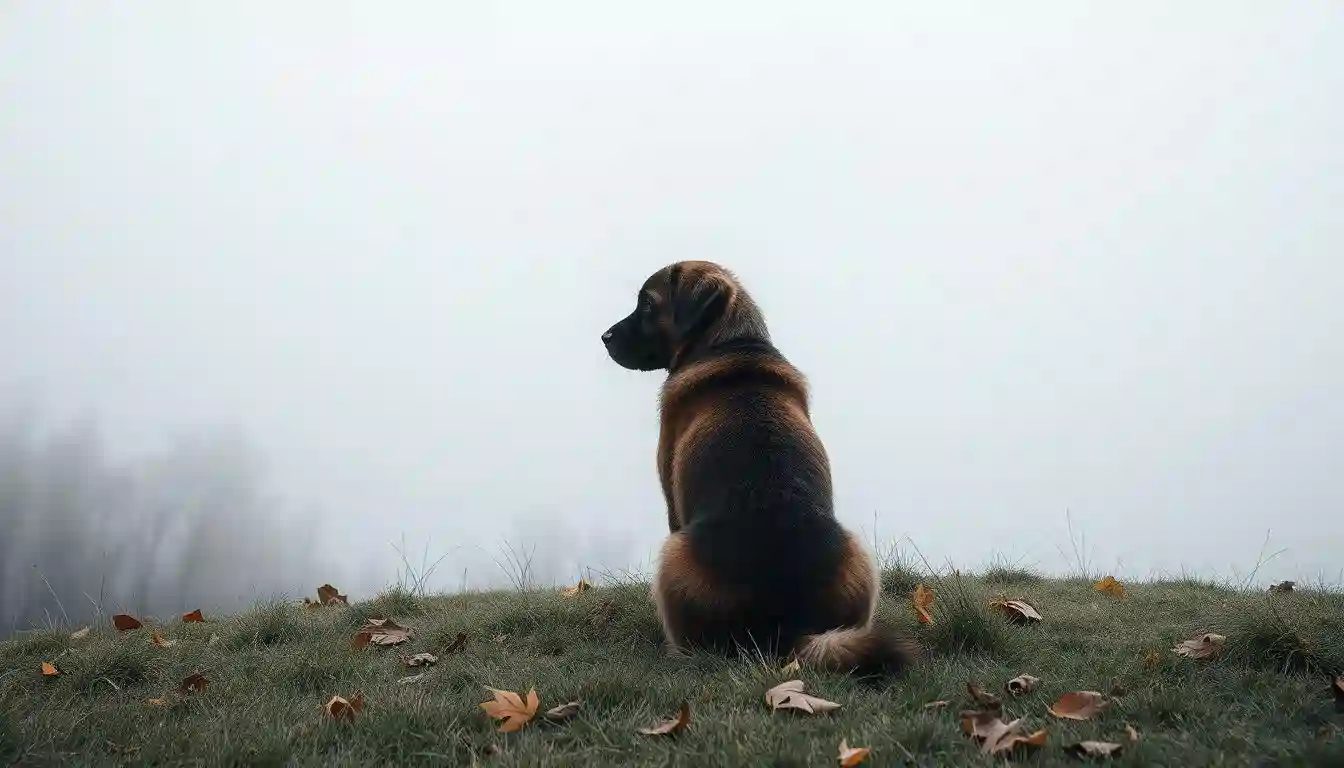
675, 308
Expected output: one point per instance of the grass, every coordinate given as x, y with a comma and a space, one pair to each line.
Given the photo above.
1265, 701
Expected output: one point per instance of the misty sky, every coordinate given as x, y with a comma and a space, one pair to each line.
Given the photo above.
1032, 258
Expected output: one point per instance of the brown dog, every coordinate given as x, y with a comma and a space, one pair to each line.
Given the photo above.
756, 558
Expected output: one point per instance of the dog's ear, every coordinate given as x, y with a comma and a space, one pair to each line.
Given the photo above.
699, 299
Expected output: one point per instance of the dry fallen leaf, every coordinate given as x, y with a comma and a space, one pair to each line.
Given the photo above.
157, 702
1078, 705
789, 695
341, 708
160, 641
328, 595
1094, 749
994, 735
672, 726
1151, 659
1021, 685
791, 667
1110, 586
562, 713
922, 599
458, 643
1205, 646
940, 704
982, 697
1013, 741
194, 616
510, 707
79, 634
125, 621
1016, 610
1132, 732
852, 756
49, 669
582, 586
422, 659
1282, 587
193, 682
381, 632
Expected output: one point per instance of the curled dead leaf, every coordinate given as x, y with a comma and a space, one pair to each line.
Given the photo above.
49, 669
789, 695
672, 726
1078, 705
194, 616
994, 735
1282, 587
1206, 646
852, 756
1094, 749
422, 660
458, 643
791, 667
1016, 610
922, 600
582, 586
1110, 586
381, 632
1021, 685
193, 682
159, 641
329, 595
563, 713
341, 708
125, 621
79, 634
509, 707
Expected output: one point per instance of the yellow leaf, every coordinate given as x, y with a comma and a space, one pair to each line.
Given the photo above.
852, 756
49, 669
509, 707
789, 695
1078, 705
922, 599
1110, 586
673, 726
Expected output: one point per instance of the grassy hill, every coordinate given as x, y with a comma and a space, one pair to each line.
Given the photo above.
1266, 700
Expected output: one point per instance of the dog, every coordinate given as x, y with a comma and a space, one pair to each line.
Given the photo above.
755, 558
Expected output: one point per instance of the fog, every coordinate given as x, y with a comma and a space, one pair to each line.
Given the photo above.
343, 267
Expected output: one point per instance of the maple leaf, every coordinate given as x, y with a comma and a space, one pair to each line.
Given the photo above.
1021, 685
852, 756
672, 726
125, 621
509, 706
79, 634
1078, 705
49, 669
562, 713
922, 600
193, 682
458, 643
194, 616
1206, 646
1282, 587
1110, 586
1094, 749
422, 659
160, 641
1016, 610
381, 632
582, 586
341, 708
789, 695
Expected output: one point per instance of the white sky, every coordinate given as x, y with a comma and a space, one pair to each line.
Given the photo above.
1032, 256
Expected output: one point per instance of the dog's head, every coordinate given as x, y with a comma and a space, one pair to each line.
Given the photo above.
688, 305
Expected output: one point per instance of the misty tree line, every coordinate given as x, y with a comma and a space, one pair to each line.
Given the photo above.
83, 534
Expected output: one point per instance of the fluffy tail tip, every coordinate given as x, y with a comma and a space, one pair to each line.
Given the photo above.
877, 650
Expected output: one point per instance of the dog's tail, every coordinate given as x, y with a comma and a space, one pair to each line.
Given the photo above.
870, 651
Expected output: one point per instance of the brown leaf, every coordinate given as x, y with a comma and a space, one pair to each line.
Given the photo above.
1014, 741
193, 682
157, 702
1078, 705
381, 632
789, 695
852, 756
360, 640
994, 735
672, 726
160, 641
194, 616
1110, 586
1021, 685
329, 595
510, 707
1282, 587
562, 713
1337, 688
49, 669
341, 708
125, 621
582, 586
1206, 646
1094, 749
458, 643
981, 697
1132, 732
922, 599
422, 659
940, 704
79, 634
1016, 610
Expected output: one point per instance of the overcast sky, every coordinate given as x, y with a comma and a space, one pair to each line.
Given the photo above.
1047, 257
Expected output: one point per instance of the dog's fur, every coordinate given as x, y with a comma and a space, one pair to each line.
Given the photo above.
756, 559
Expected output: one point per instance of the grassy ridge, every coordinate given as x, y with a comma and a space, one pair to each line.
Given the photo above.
1265, 701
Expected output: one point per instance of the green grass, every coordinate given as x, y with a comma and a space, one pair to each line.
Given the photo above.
1264, 702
